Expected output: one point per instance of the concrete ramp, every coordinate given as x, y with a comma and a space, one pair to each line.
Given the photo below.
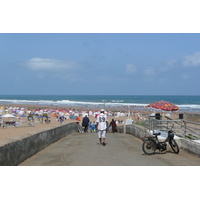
83, 149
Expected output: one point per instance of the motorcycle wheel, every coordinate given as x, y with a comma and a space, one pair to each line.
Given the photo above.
174, 146
149, 146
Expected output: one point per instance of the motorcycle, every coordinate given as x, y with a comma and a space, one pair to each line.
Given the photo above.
152, 143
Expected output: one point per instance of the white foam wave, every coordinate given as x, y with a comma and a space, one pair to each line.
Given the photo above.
117, 101
189, 106
113, 103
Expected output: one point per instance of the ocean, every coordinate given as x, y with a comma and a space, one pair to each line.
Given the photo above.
185, 103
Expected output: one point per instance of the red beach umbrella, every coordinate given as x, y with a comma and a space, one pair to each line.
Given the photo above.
163, 105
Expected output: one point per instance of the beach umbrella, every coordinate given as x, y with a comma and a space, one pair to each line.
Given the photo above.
38, 116
163, 105
22, 116
8, 116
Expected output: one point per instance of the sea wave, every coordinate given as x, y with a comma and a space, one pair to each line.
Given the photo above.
117, 101
189, 106
112, 103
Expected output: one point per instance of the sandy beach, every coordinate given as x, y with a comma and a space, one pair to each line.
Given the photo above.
22, 129
11, 131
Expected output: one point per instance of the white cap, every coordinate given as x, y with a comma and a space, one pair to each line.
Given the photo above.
102, 110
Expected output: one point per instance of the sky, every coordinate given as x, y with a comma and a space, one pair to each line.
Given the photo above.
90, 61
100, 63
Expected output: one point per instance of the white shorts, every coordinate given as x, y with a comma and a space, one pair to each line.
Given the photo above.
102, 134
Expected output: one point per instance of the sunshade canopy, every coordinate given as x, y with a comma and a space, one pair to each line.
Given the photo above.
163, 105
8, 115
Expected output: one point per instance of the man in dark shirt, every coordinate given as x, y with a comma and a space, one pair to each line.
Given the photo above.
113, 125
85, 123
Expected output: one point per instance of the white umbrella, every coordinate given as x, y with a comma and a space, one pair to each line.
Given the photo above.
8, 115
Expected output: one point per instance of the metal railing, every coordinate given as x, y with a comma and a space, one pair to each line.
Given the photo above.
191, 130
185, 129
164, 125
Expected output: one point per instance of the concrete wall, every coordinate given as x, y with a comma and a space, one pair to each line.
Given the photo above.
190, 146
140, 132
137, 131
13, 153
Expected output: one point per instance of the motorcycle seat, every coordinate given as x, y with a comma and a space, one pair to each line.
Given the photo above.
158, 133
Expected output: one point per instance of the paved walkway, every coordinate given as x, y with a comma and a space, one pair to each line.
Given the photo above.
82, 149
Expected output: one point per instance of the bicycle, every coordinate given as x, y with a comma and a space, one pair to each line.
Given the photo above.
152, 143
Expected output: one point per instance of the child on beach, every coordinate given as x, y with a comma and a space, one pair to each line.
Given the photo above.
92, 127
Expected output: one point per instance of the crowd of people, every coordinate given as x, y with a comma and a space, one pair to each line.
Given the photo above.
94, 121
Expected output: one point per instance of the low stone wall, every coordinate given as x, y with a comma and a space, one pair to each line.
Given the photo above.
190, 146
140, 132
137, 131
13, 153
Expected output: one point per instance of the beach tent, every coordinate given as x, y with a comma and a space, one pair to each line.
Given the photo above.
73, 117
53, 115
85, 114
96, 115
21, 112
78, 118
8, 116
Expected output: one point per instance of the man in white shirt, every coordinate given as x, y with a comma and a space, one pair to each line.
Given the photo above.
101, 126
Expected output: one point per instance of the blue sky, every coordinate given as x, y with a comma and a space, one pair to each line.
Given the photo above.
110, 63
115, 49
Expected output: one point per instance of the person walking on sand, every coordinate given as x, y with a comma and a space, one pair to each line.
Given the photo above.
85, 123
101, 126
113, 125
